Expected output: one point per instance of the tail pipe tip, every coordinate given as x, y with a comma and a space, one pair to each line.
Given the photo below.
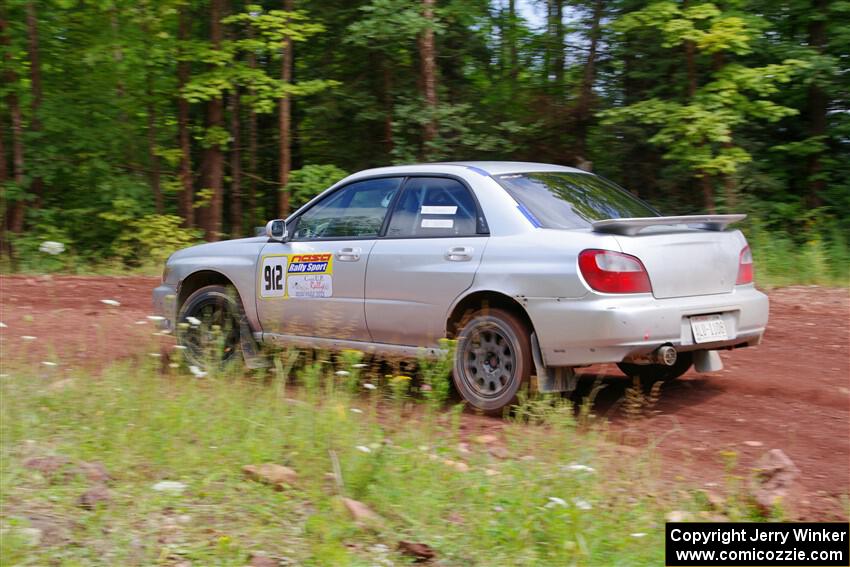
666, 355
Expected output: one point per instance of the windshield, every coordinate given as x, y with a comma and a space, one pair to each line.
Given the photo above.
564, 199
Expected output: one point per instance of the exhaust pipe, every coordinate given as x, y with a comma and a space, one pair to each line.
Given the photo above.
665, 355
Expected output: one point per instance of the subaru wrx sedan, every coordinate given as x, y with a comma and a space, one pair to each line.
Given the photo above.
534, 269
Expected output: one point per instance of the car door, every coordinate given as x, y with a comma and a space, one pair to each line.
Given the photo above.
428, 256
313, 284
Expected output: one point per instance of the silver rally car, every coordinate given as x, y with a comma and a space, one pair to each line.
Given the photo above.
535, 269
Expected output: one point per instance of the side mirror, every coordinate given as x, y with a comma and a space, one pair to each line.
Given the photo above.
276, 230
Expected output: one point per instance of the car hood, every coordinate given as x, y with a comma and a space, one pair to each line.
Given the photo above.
225, 247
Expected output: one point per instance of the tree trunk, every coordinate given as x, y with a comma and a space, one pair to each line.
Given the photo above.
15, 214
252, 147
818, 105
427, 55
214, 159
235, 167
285, 118
585, 97
150, 108
388, 105
184, 200
37, 184
559, 50
513, 62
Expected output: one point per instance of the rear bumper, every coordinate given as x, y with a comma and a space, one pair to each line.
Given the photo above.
602, 328
164, 302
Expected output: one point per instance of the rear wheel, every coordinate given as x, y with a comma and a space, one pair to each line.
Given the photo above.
659, 372
212, 318
493, 359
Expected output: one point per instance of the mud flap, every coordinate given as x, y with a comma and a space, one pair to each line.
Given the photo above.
251, 353
707, 361
550, 380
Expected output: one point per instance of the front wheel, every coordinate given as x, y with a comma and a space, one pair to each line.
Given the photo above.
659, 372
493, 359
209, 325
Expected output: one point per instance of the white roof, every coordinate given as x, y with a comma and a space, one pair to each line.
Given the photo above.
486, 167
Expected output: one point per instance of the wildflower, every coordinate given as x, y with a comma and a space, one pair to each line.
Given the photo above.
48, 363
369, 386
425, 387
343, 373
111, 302
363, 449
579, 467
359, 365
141, 322
156, 318
154, 354
170, 486
193, 321
398, 379
498, 509
179, 347
555, 501
28, 337
582, 504
173, 365
51, 247
638, 534
197, 372
356, 410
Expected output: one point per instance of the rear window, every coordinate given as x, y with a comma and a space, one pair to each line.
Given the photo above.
571, 200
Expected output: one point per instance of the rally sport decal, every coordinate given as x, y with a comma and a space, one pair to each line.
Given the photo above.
296, 275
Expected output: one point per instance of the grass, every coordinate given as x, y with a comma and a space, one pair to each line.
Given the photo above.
555, 492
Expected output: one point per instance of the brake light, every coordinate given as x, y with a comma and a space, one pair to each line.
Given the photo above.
613, 272
745, 267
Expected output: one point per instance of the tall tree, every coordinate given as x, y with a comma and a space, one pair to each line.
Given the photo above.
37, 93
17, 209
185, 198
285, 118
427, 56
215, 138
584, 103
818, 105
235, 165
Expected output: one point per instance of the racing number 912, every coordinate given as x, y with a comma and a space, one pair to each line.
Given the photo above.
274, 277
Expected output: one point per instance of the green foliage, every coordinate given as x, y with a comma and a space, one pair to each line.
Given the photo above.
151, 239
692, 105
310, 180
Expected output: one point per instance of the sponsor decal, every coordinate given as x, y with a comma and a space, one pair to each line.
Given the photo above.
295, 275
439, 210
437, 223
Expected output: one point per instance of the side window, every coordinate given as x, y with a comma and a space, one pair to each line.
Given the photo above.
434, 206
355, 211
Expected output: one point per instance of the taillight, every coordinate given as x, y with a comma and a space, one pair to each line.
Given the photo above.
745, 267
613, 272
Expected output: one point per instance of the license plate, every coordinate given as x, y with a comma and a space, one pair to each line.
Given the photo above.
708, 328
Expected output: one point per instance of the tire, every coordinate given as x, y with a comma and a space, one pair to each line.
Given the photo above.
659, 372
493, 359
212, 305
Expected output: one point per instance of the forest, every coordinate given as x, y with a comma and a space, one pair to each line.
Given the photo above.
131, 128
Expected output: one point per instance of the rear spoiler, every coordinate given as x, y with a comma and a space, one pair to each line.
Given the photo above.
630, 227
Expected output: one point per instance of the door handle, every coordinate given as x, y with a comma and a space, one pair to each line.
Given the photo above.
459, 254
348, 254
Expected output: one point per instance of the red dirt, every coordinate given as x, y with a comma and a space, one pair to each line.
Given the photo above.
790, 393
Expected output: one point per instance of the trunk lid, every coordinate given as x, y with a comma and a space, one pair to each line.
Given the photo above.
685, 262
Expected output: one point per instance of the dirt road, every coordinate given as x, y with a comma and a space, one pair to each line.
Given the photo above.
791, 393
